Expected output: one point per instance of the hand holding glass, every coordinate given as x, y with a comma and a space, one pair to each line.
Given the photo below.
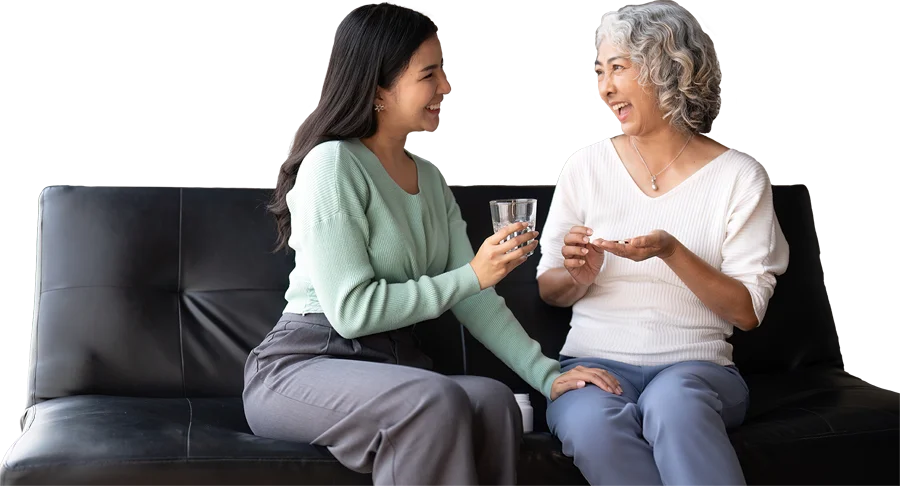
505, 212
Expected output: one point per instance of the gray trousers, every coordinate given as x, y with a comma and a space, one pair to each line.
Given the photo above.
405, 425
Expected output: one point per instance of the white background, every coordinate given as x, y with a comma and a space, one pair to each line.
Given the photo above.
168, 92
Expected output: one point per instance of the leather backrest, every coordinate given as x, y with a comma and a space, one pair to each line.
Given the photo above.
152, 291
163, 291
107, 306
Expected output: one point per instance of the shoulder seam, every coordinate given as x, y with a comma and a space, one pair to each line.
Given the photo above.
572, 158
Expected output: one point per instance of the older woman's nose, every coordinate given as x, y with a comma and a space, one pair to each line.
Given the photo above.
607, 86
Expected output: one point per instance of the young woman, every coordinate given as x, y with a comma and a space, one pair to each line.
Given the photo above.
662, 240
380, 246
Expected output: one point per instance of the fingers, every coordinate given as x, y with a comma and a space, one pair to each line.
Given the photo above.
573, 263
645, 248
614, 247
606, 381
580, 380
599, 377
577, 248
504, 232
645, 241
520, 253
581, 230
574, 252
581, 376
612, 379
562, 387
576, 239
515, 263
518, 240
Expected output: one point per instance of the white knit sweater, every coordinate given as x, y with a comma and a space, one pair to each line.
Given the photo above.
641, 313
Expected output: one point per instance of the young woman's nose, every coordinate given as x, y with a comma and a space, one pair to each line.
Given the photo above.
443, 84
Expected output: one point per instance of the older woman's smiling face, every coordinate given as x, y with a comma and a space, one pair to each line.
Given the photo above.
636, 107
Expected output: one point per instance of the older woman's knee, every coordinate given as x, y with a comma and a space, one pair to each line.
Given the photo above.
678, 401
591, 416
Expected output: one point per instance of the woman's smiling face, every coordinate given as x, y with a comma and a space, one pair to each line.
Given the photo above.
413, 103
636, 107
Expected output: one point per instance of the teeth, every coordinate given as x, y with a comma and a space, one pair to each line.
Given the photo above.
433, 107
619, 106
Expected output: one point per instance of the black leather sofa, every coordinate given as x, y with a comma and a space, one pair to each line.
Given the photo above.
149, 299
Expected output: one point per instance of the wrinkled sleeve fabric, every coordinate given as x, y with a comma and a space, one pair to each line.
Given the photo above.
327, 207
754, 251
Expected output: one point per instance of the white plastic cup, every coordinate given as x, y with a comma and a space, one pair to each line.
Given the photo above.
524, 402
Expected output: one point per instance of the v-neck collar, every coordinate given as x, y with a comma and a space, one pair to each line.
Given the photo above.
379, 168
634, 184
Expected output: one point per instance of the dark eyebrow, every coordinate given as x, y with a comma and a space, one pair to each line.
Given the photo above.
597, 63
429, 68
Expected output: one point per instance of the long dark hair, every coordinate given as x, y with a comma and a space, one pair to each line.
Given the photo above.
372, 47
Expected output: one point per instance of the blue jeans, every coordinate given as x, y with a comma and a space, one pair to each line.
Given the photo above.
667, 427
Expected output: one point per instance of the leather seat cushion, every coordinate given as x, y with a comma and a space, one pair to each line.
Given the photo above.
123, 440
810, 421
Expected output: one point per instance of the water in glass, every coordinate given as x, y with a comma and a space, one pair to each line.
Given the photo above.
508, 211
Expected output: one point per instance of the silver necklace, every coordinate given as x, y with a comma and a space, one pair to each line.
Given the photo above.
653, 177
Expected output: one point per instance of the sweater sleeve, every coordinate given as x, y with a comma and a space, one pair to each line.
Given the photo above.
754, 250
328, 209
488, 318
564, 213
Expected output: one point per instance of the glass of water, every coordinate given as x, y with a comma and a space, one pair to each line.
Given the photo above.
505, 212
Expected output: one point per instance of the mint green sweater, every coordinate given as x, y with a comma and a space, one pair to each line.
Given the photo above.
374, 258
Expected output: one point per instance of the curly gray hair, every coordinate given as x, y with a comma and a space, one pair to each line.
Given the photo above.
674, 55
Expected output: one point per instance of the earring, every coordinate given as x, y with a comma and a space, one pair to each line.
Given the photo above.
379, 107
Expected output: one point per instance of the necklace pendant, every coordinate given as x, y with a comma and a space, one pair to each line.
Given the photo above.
653, 183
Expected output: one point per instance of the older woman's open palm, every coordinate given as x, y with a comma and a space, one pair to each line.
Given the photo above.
656, 243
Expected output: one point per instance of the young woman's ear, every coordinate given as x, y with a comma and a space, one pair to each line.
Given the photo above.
379, 99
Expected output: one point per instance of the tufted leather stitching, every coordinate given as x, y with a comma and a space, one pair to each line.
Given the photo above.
178, 291
173, 460
187, 445
823, 419
462, 338
39, 284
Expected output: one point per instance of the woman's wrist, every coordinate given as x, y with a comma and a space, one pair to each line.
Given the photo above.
672, 253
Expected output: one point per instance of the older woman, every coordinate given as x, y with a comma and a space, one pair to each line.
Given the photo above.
662, 240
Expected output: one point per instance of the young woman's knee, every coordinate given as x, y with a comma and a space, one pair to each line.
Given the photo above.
442, 399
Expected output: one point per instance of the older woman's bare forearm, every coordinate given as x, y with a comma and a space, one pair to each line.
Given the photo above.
724, 295
559, 289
